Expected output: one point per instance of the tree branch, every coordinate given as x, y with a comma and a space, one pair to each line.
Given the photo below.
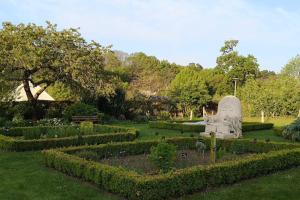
38, 93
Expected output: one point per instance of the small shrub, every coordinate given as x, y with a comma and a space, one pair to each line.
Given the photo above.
292, 131
221, 152
156, 133
79, 109
163, 156
87, 128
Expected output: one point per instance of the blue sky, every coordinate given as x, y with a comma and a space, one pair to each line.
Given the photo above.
180, 31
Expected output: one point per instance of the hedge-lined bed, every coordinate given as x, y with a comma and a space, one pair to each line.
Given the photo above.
246, 126
29, 138
269, 157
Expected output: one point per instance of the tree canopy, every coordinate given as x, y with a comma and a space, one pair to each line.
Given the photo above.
189, 89
44, 55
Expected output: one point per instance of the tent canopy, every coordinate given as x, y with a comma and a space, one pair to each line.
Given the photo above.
19, 94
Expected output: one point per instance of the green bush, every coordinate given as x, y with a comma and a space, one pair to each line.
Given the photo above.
247, 126
163, 156
292, 131
79, 109
86, 128
132, 185
48, 137
37, 132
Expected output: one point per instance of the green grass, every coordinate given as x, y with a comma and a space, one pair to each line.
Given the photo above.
278, 121
23, 176
147, 133
279, 186
263, 135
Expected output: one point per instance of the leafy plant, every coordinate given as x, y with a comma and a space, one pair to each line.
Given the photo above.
79, 109
292, 131
163, 156
86, 128
221, 152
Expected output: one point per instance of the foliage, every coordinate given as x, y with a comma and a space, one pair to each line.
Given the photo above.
79, 109
189, 90
275, 96
86, 128
62, 92
43, 56
163, 115
292, 68
234, 65
292, 131
149, 76
163, 156
246, 126
40, 137
131, 185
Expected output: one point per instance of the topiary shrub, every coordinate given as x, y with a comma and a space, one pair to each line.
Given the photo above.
79, 109
163, 156
292, 131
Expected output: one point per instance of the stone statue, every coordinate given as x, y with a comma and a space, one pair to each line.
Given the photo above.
227, 123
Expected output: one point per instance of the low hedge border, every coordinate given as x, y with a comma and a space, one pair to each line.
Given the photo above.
14, 144
52, 131
248, 126
132, 185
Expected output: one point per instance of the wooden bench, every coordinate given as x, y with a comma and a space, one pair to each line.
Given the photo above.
78, 119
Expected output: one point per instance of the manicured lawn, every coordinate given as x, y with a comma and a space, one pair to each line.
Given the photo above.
147, 133
280, 186
23, 176
264, 134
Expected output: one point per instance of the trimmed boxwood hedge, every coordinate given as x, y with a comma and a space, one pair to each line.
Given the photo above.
35, 132
132, 185
119, 134
246, 126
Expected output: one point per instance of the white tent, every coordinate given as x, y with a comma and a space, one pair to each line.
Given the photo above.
20, 95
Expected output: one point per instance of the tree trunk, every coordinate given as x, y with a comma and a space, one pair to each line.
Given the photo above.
32, 101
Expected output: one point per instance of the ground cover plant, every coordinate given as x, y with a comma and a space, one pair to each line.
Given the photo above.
269, 157
43, 137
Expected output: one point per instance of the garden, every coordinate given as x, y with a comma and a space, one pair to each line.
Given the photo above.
90, 125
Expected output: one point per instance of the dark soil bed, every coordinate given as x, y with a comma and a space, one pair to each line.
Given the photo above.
185, 158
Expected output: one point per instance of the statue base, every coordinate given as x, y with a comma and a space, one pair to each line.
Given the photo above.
218, 135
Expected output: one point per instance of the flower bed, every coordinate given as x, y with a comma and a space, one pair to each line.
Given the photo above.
246, 126
45, 137
267, 158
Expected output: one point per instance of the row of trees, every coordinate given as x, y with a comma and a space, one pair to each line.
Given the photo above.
64, 64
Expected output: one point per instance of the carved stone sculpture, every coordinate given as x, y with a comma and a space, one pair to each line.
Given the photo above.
227, 123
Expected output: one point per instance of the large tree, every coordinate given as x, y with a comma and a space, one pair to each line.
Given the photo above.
234, 65
149, 75
189, 90
43, 56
